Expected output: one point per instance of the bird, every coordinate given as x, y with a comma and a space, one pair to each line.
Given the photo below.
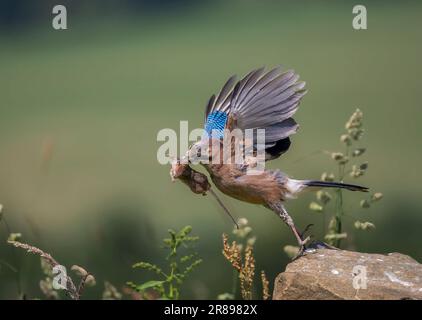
265, 100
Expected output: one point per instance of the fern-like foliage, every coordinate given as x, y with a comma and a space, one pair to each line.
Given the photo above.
168, 280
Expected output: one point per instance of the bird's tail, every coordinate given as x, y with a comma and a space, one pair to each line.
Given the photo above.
328, 184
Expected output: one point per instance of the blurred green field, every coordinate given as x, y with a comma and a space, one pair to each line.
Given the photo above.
80, 110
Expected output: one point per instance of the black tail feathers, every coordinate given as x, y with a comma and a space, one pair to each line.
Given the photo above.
327, 184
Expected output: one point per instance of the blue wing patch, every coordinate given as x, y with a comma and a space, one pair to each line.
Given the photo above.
216, 122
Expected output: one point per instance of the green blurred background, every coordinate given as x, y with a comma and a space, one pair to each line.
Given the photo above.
80, 110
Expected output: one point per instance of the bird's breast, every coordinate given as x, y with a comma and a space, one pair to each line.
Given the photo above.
226, 179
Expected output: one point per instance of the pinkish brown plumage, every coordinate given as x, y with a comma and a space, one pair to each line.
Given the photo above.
261, 100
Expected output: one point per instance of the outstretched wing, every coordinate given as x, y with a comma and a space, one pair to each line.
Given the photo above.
261, 100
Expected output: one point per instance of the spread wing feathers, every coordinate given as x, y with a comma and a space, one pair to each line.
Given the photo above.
261, 100
280, 131
222, 102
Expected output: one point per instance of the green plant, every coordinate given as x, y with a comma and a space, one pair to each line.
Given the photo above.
179, 267
353, 151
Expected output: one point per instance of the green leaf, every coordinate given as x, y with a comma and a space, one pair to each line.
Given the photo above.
149, 284
175, 244
185, 231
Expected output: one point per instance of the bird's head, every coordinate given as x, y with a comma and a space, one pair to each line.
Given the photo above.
204, 151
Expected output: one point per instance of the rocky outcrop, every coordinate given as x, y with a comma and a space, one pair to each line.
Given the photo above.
339, 274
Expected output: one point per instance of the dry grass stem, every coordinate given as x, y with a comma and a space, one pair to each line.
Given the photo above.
265, 286
70, 288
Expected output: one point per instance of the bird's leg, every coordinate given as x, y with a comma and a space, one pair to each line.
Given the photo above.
284, 215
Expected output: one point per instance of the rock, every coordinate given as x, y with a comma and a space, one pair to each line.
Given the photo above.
338, 274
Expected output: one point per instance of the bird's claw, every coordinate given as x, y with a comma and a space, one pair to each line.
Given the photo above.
303, 242
302, 248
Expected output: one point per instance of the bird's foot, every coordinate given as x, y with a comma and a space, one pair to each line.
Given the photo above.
302, 248
302, 242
